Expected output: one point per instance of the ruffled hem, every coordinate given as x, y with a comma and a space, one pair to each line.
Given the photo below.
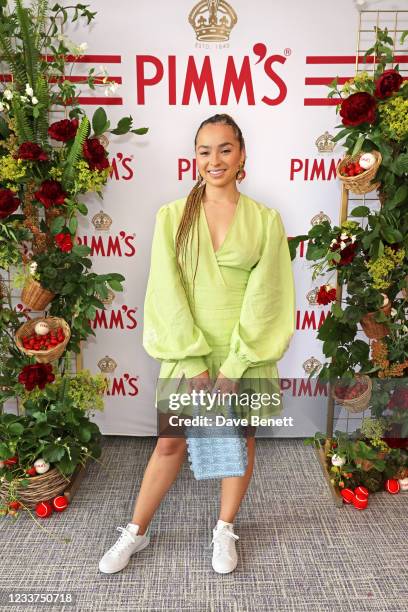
258, 392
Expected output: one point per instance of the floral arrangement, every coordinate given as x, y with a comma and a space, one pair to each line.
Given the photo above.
363, 459
47, 168
367, 254
54, 431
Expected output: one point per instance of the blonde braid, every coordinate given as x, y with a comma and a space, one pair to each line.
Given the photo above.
189, 223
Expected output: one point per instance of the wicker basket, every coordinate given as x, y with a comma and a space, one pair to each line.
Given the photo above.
371, 328
35, 296
40, 488
52, 353
360, 403
362, 183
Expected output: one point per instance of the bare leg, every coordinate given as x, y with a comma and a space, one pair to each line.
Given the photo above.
234, 488
161, 471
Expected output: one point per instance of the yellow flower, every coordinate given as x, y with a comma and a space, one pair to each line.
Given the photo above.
11, 169
90, 180
394, 116
55, 173
381, 268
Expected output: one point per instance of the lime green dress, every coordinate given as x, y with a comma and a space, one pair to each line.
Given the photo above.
242, 316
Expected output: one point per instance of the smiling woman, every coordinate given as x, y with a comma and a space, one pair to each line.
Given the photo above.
219, 306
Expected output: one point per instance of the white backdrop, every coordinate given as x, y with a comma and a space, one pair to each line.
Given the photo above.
309, 43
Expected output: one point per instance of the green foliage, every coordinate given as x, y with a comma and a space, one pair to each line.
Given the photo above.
67, 275
377, 263
75, 152
24, 130
368, 461
54, 428
31, 55
85, 390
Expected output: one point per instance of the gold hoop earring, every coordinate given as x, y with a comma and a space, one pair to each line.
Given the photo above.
241, 174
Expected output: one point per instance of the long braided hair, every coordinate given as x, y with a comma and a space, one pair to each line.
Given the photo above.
189, 220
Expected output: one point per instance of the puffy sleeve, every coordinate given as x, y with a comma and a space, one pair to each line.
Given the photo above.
169, 330
267, 319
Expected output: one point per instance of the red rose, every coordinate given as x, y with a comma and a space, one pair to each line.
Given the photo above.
8, 203
325, 296
64, 242
388, 82
31, 151
63, 130
399, 398
50, 193
347, 254
95, 154
38, 374
358, 108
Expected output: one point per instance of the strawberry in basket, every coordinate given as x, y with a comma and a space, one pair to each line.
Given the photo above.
351, 391
43, 342
352, 169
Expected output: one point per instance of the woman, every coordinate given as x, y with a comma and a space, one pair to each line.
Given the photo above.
219, 303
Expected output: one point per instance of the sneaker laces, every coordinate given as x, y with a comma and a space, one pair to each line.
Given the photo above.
220, 542
125, 539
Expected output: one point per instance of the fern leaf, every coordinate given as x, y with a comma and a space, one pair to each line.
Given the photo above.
75, 153
40, 22
28, 36
16, 66
23, 128
44, 102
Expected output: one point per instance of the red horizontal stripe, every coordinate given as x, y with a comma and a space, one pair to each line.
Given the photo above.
321, 101
87, 59
102, 100
73, 79
83, 79
349, 59
325, 80
328, 80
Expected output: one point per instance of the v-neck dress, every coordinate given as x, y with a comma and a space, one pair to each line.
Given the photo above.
242, 315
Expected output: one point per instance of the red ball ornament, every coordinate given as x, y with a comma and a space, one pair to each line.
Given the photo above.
347, 495
361, 491
60, 503
392, 486
43, 509
360, 502
31, 471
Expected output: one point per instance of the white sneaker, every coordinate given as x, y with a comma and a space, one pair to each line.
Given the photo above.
224, 559
118, 556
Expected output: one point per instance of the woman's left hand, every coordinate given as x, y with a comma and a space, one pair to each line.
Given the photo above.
225, 385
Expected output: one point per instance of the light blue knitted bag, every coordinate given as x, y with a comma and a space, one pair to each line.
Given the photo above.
216, 451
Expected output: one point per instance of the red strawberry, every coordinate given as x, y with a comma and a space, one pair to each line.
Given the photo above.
11, 461
14, 505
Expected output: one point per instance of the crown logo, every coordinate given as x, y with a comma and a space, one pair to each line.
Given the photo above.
102, 221
311, 296
319, 218
212, 20
107, 364
325, 143
108, 300
311, 365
